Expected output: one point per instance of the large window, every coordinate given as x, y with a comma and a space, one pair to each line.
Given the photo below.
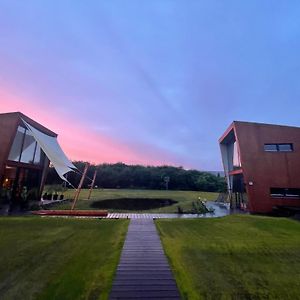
236, 156
29, 145
15, 150
285, 192
25, 149
286, 147
39, 155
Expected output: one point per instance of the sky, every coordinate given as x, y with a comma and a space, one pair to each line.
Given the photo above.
150, 82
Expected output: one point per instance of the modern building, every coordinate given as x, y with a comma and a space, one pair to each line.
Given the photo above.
26, 150
262, 166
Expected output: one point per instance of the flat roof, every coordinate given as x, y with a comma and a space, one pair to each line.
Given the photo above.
232, 125
264, 124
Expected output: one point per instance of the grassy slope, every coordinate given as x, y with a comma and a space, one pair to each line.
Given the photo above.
54, 258
236, 257
184, 198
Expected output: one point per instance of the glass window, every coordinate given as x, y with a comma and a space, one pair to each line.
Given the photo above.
295, 193
279, 147
25, 149
236, 156
285, 147
39, 156
277, 192
16, 148
28, 150
270, 147
285, 192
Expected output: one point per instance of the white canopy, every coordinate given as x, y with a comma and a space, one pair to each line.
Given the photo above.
53, 151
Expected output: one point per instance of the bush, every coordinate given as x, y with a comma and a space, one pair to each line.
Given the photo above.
179, 210
34, 206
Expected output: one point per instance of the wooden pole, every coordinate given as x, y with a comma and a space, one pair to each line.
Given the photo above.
92, 185
80, 186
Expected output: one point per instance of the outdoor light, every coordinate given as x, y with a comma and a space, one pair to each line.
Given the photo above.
250, 182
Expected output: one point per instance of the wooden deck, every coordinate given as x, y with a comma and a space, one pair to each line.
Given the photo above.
143, 271
150, 216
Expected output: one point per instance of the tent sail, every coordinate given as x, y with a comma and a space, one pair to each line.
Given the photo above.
53, 151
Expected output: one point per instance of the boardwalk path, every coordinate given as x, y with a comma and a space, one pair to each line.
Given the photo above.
143, 271
149, 216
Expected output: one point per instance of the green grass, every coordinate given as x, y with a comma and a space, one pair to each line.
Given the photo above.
184, 198
235, 257
55, 258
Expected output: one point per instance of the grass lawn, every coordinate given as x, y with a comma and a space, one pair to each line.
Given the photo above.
235, 257
55, 258
184, 198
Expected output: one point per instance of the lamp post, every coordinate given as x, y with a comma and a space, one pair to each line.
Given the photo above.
167, 180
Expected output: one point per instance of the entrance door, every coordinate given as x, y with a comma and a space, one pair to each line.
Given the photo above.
239, 195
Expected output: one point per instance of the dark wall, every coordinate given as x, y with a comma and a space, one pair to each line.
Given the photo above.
8, 127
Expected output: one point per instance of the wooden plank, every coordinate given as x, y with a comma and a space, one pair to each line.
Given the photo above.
145, 281
146, 287
139, 276
143, 271
144, 294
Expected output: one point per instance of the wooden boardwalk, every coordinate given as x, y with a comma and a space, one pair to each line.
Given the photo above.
143, 271
151, 216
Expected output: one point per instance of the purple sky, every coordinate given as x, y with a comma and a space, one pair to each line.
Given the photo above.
155, 81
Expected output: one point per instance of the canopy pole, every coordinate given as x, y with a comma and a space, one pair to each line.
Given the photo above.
80, 186
92, 185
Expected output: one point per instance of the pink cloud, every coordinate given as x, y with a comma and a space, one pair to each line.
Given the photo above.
77, 140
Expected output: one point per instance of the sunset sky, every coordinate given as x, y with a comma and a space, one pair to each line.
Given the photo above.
150, 81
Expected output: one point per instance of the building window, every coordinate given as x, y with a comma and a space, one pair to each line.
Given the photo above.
285, 192
271, 147
15, 151
286, 147
28, 150
25, 148
39, 156
236, 157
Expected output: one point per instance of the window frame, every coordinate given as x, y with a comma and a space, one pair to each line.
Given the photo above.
285, 193
278, 145
285, 144
266, 150
36, 146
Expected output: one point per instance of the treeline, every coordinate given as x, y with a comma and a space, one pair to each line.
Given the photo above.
120, 175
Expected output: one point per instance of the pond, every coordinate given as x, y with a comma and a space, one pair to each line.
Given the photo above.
133, 203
